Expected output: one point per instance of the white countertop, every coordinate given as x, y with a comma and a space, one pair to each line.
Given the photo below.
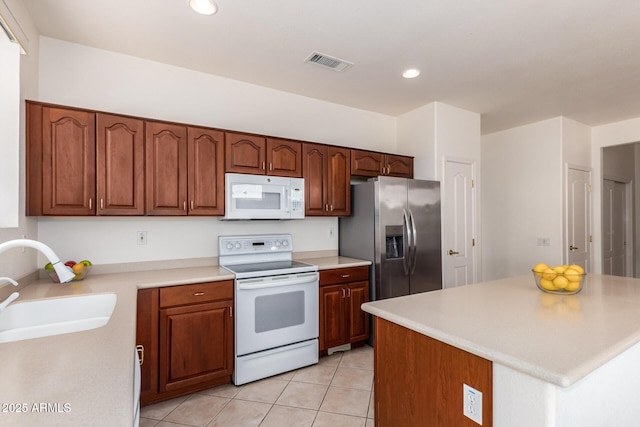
557, 338
87, 377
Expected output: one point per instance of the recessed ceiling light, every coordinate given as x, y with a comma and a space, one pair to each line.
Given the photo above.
203, 7
411, 73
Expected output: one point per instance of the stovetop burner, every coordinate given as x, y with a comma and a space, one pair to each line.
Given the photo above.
260, 255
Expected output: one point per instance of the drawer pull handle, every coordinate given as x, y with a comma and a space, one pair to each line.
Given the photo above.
198, 294
344, 276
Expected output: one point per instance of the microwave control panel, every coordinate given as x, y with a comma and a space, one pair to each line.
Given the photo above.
297, 199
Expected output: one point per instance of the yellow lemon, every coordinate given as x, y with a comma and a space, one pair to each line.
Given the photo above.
559, 269
77, 268
539, 268
548, 285
572, 286
549, 274
560, 282
572, 275
578, 268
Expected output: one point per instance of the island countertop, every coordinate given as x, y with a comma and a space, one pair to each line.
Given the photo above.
557, 338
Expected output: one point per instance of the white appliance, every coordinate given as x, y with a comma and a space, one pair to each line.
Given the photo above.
276, 306
263, 197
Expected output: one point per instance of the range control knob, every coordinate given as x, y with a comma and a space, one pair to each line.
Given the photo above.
285, 243
229, 246
277, 243
238, 245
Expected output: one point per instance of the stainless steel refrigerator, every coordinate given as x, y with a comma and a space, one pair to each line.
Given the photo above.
395, 223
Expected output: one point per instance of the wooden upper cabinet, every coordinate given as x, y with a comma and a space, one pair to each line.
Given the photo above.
206, 171
120, 165
61, 154
366, 163
371, 163
401, 166
245, 153
166, 168
327, 175
284, 158
262, 156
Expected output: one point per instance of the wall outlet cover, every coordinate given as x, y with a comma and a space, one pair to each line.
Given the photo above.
472, 406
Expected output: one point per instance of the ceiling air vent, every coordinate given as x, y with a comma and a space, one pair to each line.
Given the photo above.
327, 61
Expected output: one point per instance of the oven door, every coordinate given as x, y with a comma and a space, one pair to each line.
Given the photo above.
275, 311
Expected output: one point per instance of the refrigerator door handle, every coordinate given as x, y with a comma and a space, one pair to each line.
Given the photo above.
406, 233
414, 243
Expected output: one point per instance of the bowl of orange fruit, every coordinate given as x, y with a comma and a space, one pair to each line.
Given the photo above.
560, 280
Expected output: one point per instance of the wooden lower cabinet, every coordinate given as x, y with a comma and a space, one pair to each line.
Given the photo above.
418, 380
342, 292
187, 334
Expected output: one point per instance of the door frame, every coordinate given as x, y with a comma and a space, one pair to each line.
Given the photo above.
565, 208
475, 215
629, 223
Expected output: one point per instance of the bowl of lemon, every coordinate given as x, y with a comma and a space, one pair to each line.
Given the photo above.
560, 280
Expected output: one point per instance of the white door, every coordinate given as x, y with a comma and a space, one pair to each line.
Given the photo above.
458, 220
613, 228
578, 221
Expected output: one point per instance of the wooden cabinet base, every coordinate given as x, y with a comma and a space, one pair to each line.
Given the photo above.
418, 380
159, 397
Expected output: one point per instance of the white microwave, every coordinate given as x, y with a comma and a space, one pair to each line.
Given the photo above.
263, 197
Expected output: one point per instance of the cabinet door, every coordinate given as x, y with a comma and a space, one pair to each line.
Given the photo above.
120, 165
339, 186
284, 158
400, 166
366, 163
358, 320
245, 153
315, 179
332, 316
147, 342
206, 171
166, 168
196, 344
68, 162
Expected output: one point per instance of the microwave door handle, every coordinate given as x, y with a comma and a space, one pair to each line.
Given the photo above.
287, 196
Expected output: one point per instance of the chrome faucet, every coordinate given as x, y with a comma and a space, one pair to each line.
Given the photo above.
65, 274
11, 297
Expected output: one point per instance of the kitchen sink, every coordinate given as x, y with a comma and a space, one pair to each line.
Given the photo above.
55, 316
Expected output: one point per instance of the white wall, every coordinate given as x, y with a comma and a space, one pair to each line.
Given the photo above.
417, 137
521, 198
76, 75
457, 136
15, 263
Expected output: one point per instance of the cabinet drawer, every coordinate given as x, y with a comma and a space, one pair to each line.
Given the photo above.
344, 275
197, 293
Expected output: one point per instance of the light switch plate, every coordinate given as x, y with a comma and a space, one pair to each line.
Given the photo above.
472, 399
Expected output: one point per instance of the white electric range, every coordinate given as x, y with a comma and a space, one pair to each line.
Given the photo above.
276, 306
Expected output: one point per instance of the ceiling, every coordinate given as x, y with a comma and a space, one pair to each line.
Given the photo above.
513, 61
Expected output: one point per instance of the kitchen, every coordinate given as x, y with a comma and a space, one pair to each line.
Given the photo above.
81, 80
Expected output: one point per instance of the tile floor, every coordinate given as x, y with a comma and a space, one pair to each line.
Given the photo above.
337, 392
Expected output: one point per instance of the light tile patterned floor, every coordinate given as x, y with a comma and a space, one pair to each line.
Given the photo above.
337, 392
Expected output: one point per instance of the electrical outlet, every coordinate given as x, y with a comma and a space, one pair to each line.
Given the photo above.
332, 231
142, 237
472, 401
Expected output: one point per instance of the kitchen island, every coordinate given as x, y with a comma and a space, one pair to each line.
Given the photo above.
539, 359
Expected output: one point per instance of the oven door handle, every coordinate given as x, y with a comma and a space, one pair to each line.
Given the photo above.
265, 282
